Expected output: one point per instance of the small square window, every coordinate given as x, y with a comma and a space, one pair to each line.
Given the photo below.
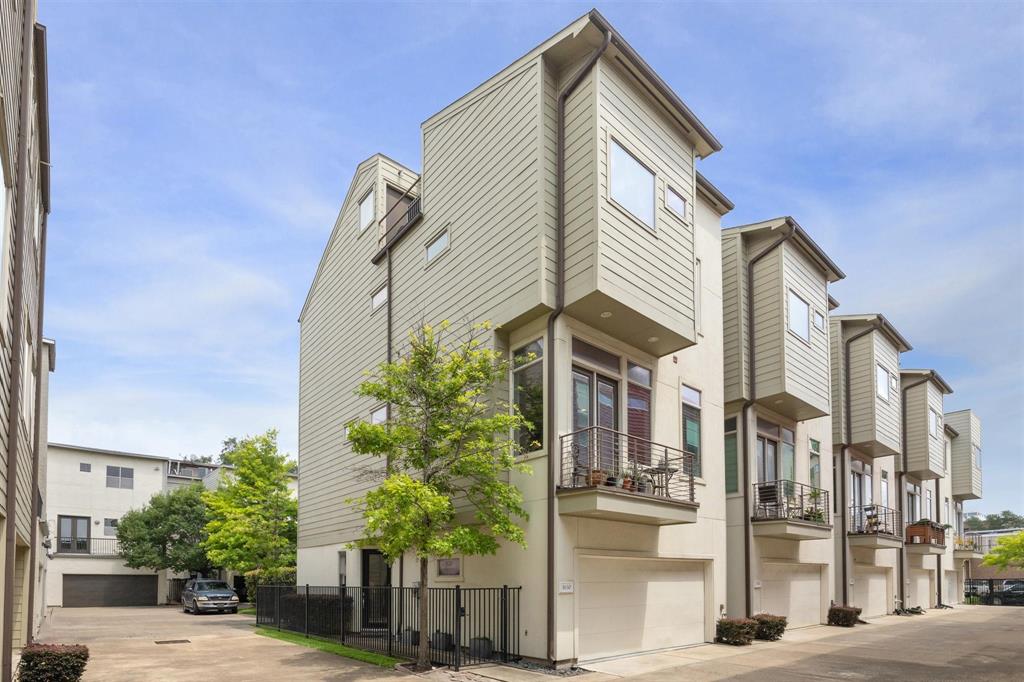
438, 246
84, 466
366, 211
676, 202
380, 415
379, 297
110, 527
449, 567
819, 321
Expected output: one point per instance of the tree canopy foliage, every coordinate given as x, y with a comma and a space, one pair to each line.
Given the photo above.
1000, 521
1007, 553
167, 533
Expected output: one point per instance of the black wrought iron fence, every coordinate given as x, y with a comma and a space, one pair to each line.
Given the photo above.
90, 546
464, 625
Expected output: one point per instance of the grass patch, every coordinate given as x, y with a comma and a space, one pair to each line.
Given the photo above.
251, 611
329, 647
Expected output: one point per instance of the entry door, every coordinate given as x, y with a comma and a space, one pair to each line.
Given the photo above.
595, 402
376, 589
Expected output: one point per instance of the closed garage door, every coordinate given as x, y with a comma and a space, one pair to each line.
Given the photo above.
632, 605
871, 591
951, 595
110, 590
919, 593
793, 591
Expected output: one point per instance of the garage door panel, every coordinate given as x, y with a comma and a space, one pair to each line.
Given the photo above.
794, 591
109, 590
628, 605
920, 588
871, 591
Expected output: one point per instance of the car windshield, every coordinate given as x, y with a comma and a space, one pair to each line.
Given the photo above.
212, 585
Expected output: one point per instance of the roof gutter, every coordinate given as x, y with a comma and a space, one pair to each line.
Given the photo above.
747, 404
563, 96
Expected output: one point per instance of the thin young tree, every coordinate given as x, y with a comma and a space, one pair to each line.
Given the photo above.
447, 447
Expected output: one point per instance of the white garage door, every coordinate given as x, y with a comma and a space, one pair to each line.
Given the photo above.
920, 588
792, 590
632, 605
871, 591
950, 595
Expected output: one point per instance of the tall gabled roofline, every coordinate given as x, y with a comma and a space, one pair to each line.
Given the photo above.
802, 238
934, 376
902, 345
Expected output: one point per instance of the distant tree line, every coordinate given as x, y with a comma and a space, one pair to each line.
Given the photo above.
1004, 519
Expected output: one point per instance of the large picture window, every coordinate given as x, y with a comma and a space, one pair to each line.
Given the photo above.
632, 185
528, 393
799, 317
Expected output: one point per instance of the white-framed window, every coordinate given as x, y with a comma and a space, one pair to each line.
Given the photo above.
799, 316
815, 463
367, 212
379, 297
449, 567
882, 382
437, 246
928, 508
85, 467
528, 393
110, 527
631, 184
884, 488
819, 321
691, 400
977, 455
675, 201
120, 477
379, 415
934, 423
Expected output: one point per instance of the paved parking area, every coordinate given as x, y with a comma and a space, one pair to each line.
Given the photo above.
222, 647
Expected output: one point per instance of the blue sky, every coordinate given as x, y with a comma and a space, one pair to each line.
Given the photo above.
201, 152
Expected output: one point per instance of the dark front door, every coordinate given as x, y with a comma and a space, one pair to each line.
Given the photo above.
376, 600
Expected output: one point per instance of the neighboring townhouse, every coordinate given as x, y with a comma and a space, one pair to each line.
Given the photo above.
89, 490
979, 578
24, 206
963, 556
777, 439
560, 201
867, 438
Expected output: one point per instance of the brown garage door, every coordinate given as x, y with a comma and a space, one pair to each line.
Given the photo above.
110, 590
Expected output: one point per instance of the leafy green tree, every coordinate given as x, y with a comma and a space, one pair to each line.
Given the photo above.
1000, 521
1007, 553
252, 513
447, 446
166, 533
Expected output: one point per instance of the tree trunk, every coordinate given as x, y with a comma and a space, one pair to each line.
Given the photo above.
423, 655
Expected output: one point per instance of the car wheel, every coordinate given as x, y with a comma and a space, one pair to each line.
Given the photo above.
233, 611
195, 608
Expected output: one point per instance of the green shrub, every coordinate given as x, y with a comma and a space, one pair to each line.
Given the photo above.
736, 631
770, 627
843, 616
52, 662
267, 576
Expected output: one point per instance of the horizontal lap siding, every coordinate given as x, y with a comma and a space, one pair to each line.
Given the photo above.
581, 191
965, 471
835, 341
653, 271
917, 427
768, 324
862, 386
807, 367
732, 318
339, 338
936, 446
887, 414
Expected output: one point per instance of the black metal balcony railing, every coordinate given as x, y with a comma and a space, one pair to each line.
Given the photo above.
88, 546
786, 500
874, 519
600, 457
927, 533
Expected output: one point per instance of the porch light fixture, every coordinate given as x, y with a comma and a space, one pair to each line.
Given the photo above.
652, 339
606, 314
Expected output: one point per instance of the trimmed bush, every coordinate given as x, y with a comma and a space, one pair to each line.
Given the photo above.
736, 631
770, 627
843, 616
267, 576
52, 663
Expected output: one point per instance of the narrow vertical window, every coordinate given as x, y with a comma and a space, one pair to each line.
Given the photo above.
437, 246
814, 475
528, 393
632, 185
799, 317
882, 382
379, 415
366, 211
732, 479
379, 297
675, 201
638, 412
884, 484
691, 426
819, 321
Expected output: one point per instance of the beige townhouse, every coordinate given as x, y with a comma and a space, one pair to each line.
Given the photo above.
25, 357
777, 403
962, 440
560, 201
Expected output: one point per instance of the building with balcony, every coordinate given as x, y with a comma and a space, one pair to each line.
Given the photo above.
26, 357
866, 438
560, 201
777, 402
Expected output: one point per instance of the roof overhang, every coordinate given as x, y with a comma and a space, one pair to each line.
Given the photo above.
42, 113
721, 203
833, 303
931, 375
817, 254
886, 327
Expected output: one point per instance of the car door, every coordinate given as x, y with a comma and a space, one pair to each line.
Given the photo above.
186, 592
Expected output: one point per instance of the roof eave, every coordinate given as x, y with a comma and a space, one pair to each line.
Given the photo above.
721, 202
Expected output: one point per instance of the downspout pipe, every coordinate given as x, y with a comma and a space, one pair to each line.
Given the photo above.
844, 454
902, 485
38, 446
553, 451
748, 597
21, 228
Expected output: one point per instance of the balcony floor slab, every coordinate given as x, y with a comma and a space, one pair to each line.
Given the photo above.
608, 503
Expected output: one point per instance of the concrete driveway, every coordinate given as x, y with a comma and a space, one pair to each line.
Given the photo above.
123, 646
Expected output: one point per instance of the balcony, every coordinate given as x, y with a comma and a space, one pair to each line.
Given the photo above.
404, 212
968, 547
610, 475
90, 547
925, 537
791, 511
875, 527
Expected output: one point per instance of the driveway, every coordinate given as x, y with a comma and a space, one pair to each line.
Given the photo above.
123, 646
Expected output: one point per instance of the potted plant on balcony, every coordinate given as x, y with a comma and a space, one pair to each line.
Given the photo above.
598, 477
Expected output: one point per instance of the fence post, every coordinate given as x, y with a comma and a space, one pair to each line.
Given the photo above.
388, 606
504, 624
306, 604
344, 593
458, 627
277, 605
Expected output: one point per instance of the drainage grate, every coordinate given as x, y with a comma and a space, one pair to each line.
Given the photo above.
173, 641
